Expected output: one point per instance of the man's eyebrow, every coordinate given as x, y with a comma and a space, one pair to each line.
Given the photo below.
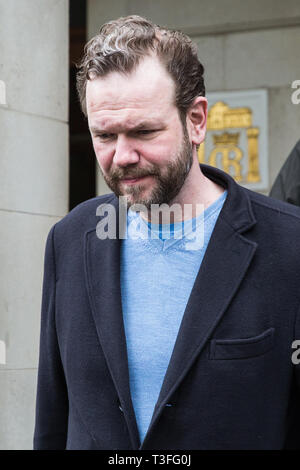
95, 129
144, 124
140, 126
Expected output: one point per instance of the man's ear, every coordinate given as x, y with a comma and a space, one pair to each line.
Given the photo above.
196, 119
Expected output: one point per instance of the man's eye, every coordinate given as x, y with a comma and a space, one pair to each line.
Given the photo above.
105, 136
146, 131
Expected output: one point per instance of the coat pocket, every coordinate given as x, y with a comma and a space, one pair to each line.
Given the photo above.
242, 348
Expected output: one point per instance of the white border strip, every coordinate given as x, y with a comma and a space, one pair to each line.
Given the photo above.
2, 352
2, 93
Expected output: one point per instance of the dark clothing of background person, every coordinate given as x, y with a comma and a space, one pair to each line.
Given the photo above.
287, 184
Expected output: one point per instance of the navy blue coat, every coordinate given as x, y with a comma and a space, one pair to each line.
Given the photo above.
231, 382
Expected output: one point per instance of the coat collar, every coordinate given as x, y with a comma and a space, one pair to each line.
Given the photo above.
228, 252
237, 209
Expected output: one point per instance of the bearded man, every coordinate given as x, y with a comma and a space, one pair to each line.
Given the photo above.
149, 340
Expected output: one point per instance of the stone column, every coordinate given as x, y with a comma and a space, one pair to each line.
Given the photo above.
33, 191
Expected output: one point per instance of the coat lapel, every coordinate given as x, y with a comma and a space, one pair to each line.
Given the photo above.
224, 266
102, 261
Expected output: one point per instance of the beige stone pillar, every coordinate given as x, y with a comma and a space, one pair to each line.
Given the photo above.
33, 191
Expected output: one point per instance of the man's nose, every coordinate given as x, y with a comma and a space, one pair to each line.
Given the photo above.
125, 152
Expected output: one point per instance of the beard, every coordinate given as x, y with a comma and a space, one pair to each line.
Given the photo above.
168, 181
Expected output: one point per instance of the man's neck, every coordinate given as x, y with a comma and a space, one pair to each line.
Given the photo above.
197, 193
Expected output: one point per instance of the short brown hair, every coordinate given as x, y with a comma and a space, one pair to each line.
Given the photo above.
122, 43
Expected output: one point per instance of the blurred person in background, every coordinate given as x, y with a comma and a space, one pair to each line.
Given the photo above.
286, 187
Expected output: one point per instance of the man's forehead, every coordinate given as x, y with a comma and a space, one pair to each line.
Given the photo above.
111, 101
114, 96
148, 83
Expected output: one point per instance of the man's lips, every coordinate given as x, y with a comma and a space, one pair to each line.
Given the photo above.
134, 180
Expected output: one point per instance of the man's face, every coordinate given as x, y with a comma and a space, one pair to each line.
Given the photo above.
142, 148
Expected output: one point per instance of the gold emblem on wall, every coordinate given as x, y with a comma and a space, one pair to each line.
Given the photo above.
227, 151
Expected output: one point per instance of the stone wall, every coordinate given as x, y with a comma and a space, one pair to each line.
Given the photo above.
33, 191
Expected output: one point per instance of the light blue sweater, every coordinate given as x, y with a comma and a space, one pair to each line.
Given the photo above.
157, 276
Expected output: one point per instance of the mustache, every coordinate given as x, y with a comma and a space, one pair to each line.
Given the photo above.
119, 174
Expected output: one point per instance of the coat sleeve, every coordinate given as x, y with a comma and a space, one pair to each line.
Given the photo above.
51, 418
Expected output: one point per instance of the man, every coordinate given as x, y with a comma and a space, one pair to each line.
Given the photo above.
149, 342
287, 184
